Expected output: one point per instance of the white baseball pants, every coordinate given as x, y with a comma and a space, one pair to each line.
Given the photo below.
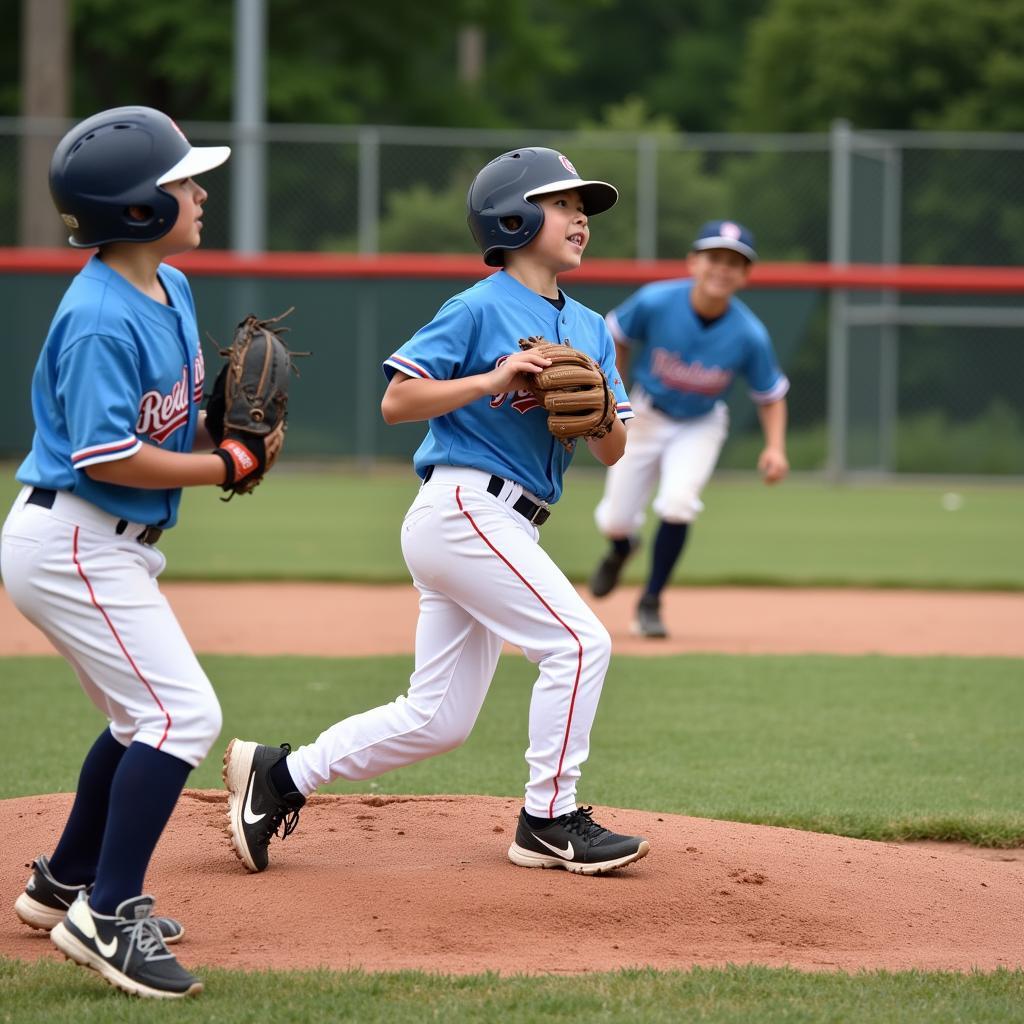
677, 456
482, 578
95, 596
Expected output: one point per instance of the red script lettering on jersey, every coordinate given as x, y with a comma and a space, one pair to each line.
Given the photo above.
681, 376
161, 415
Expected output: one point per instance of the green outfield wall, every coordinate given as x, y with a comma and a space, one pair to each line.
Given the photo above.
351, 324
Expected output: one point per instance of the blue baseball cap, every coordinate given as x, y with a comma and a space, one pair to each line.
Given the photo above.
725, 234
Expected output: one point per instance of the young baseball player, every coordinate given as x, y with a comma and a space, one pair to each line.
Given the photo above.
115, 397
685, 341
491, 473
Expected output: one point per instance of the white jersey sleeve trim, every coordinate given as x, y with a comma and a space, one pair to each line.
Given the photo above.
619, 336
407, 366
110, 452
780, 390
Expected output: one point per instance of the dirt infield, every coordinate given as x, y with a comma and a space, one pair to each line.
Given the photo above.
387, 883
332, 620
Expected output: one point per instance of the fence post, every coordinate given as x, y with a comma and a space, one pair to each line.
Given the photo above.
369, 191
889, 334
838, 328
248, 166
366, 369
647, 197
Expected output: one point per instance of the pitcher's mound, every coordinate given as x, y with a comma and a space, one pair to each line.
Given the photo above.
393, 883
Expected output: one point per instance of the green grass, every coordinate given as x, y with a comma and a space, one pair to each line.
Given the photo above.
335, 524
45, 992
871, 747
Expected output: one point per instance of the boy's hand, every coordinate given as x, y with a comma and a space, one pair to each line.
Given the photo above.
513, 372
773, 465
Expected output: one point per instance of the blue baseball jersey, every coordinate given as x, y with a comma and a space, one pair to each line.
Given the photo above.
504, 434
685, 366
117, 370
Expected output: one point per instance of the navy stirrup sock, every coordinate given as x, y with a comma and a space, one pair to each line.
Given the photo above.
535, 822
146, 787
668, 546
74, 860
622, 546
282, 779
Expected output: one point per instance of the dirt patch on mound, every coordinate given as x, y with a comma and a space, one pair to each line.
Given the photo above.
391, 883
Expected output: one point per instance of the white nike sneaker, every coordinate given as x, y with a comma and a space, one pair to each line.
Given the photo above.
576, 843
256, 811
126, 948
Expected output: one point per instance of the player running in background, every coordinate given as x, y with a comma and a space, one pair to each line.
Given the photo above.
115, 397
491, 472
684, 342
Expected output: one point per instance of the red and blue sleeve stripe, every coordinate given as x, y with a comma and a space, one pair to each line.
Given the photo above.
407, 366
109, 452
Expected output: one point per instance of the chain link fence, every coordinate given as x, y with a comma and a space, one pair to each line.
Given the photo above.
880, 393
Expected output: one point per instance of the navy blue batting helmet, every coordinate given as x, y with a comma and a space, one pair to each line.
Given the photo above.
119, 159
501, 210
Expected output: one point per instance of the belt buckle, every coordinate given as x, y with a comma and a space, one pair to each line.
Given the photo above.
541, 512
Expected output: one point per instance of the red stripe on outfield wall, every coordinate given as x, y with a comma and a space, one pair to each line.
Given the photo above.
312, 265
120, 643
566, 626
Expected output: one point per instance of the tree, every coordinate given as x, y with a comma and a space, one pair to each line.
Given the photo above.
905, 64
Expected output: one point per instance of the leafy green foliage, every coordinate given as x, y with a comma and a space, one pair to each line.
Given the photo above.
937, 64
753, 64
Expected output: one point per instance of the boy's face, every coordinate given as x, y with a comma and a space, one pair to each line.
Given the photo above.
718, 273
185, 235
564, 234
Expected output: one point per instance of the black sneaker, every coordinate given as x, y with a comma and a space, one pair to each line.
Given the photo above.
256, 811
575, 842
648, 618
45, 901
125, 948
606, 576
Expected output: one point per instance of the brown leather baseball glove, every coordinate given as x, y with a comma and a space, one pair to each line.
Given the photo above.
573, 390
247, 412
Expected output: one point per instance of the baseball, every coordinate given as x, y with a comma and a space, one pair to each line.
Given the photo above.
952, 502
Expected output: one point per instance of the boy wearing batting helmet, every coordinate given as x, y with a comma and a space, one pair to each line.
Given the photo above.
491, 473
685, 342
116, 399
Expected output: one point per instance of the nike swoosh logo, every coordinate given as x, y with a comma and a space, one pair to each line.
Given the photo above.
247, 813
567, 854
82, 919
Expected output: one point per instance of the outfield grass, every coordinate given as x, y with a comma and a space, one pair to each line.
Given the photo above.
871, 747
44, 992
344, 525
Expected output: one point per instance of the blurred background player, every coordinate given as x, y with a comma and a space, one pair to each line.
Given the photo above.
684, 342
116, 399
491, 472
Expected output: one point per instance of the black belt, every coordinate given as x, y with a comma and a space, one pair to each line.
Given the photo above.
44, 497
529, 510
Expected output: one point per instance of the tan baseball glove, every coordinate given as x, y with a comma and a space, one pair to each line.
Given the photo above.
573, 390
